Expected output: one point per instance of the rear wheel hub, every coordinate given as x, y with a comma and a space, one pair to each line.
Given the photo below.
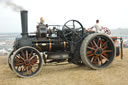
99, 51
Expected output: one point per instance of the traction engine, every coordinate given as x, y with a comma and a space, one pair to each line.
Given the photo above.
71, 43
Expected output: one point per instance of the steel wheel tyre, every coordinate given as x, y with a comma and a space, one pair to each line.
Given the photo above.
9, 60
97, 50
26, 61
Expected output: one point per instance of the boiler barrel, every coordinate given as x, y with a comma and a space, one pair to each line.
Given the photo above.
51, 46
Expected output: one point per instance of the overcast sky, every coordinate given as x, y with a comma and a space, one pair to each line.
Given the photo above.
111, 13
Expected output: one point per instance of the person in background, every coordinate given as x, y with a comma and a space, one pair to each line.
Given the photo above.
97, 26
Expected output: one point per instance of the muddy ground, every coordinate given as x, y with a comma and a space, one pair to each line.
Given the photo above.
70, 74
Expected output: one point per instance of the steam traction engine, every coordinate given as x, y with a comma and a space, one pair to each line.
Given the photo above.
71, 43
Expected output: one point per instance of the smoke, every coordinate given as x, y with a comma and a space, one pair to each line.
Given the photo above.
12, 5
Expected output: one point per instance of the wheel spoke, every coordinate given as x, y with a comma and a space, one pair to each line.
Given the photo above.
17, 67
98, 61
30, 54
98, 41
73, 24
92, 59
34, 61
24, 69
26, 54
27, 69
76, 33
101, 43
104, 44
95, 43
92, 45
101, 60
31, 69
72, 31
32, 57
77, 29
105, 47
89, 52
104, 57
91, 48
107, 51
20, 57
23, 54
67, 27
19, 64
68, 33
18, 60
90, 55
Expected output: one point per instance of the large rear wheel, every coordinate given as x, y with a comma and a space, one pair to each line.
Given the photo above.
97, 50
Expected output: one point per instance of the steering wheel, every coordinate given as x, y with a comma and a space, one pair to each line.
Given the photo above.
73, 31
107, 31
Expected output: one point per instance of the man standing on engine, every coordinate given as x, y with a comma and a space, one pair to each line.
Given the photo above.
97, 26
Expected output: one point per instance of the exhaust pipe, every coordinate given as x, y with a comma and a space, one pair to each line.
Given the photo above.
24, 23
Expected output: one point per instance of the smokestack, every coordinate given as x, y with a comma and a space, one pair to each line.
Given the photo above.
24, 23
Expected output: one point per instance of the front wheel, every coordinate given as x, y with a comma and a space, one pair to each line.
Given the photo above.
26, 61
97, 50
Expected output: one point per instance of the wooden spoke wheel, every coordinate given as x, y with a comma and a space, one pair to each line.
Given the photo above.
26, 61
97, 50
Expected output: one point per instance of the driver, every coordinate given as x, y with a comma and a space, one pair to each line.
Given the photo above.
42, 28
42, 23
97, 26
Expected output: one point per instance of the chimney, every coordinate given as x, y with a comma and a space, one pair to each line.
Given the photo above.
24, 23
